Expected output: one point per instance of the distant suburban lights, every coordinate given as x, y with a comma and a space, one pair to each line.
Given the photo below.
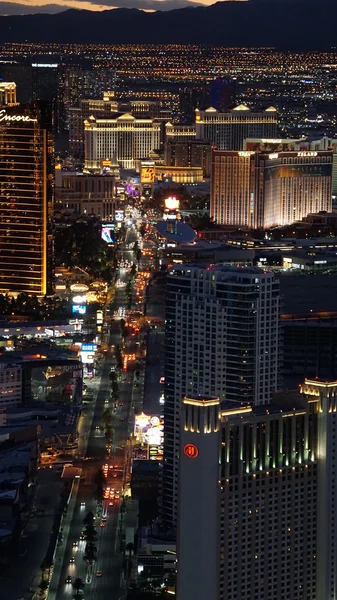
5, 117
191, 451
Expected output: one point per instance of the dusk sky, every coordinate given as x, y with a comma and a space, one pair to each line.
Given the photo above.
17, 7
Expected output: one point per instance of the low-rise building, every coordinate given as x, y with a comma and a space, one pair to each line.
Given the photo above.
10, 385
90, 195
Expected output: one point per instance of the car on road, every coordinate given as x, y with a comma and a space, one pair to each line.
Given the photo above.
72, 560
120, 403
111, 503
69, 579
122, 419
102, 524
75, 544
82, 537
82, 504
99, 574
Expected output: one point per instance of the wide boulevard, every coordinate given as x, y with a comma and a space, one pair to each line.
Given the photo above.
106, 581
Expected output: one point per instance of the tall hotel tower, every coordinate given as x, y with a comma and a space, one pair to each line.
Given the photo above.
25, 201
222, 340
258, 498
268, 189
227, 130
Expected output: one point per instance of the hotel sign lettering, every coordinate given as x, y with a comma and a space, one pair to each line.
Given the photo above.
191, 451
4, 116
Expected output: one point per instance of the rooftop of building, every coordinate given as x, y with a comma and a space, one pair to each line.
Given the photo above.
284, 402
308, 294
225, 269
181, 232
38, 354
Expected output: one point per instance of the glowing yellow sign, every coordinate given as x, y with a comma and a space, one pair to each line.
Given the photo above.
10, 118
147, 175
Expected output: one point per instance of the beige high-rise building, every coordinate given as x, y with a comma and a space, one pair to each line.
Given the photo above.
228, 130
123, 138
8, 93
266, 189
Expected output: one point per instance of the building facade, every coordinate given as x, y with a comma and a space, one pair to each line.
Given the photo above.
262, 189
8, 93
267, 476
76, 115
227, 130
86, 194
10, 385
189, 153
123, 138
294, 185
222, 338
25, 202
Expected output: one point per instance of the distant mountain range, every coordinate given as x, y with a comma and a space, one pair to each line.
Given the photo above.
286, 24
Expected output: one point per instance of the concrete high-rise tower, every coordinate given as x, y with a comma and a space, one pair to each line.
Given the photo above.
222, 340
257, 498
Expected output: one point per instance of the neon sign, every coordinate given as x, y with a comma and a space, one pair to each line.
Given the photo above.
191, 451
304, 154
5, 117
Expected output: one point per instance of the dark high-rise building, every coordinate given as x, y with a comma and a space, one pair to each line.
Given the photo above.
257, 498
190, 99
222, 339
222, 93
26, 153
45, 77
188, 153
21, 74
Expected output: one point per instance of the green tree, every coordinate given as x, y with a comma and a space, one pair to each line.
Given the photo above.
90, 533
89, 518
78, 586
90, 553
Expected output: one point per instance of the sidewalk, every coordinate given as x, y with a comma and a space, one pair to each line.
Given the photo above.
59, 552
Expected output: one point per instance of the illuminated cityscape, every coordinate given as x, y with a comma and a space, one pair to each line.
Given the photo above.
168, 316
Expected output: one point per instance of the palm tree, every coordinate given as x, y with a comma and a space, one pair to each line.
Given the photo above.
129, 547
78, 586
89, 518
90, 553
90, 533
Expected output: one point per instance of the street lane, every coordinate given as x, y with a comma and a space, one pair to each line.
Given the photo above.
109, 558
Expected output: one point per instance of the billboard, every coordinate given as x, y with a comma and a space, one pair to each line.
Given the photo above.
107, 235
79, 309
150, 430
119, 215
88, 353
147, 175
79, 300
